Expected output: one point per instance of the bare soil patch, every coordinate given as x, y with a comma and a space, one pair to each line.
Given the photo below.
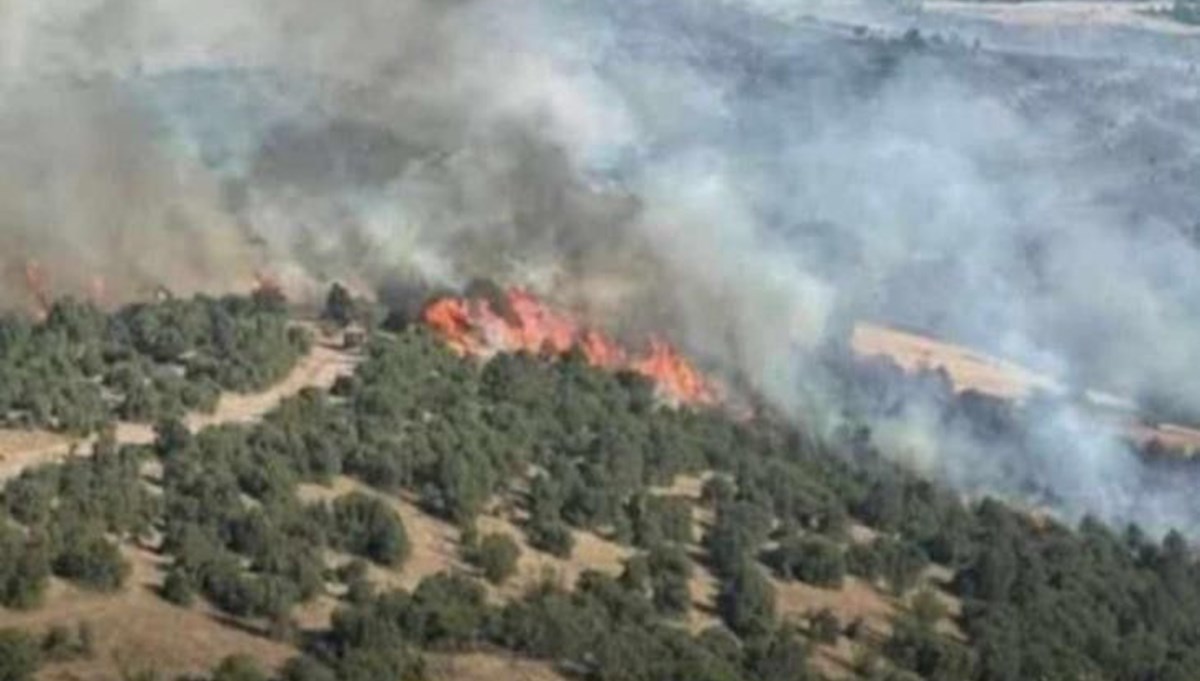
488, 667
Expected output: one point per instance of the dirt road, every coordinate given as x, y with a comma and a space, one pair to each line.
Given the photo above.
320, 368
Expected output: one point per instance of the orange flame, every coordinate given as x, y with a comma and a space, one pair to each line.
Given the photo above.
472, 327
674, 373
451, 319
601, 351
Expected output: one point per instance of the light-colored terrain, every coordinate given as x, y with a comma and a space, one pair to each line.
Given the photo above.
968, 369
488, 667
138, 631
1135, 14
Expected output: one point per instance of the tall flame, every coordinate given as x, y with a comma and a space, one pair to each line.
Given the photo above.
474, 327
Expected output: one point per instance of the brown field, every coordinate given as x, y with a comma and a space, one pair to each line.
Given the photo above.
967, 369
488, 667
135, 630
972, 370
1173, 437
434, 542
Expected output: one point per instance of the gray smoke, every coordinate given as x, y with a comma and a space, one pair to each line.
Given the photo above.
751, 179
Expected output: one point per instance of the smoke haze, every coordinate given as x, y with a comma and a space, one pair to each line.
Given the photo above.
751, 180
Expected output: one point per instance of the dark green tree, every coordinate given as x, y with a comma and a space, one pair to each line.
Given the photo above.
496, 555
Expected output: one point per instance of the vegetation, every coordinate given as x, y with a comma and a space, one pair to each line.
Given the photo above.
365, 526
19, 656
576, 450
80, 368
497, 556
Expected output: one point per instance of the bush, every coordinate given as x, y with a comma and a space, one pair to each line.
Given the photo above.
306, 669
61, 644
747, 602
926, 608
553, 537
366, 526
19, 657
824, 627
813, 560
178, 588
497, 556
239, 668
446, 609
658, 519
670, 569
93, 562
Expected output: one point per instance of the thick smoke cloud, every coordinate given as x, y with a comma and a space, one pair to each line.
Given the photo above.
752, 181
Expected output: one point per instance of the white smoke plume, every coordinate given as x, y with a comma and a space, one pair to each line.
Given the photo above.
750, 178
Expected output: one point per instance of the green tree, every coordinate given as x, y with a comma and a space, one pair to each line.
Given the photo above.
927, 609
670, 570
778, 656
19, 657
739, 531
367, 527
815, 560
496, 555
746, 602
178, 588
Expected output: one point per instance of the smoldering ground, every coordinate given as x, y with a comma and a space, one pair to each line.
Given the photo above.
753, 184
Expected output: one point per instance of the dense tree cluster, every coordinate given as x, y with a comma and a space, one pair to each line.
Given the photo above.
576, 449
80, 368
496, 555
65, 520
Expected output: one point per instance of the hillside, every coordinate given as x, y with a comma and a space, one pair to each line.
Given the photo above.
972, 371
432, 516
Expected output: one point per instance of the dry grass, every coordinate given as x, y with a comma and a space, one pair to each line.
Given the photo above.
971, 370
968, 369
488, 667
136, 630
434, 542
591, 552
21, 449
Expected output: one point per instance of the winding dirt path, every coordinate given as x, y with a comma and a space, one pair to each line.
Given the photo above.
320, 368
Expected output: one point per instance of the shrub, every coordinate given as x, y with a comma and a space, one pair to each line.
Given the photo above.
497, 556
